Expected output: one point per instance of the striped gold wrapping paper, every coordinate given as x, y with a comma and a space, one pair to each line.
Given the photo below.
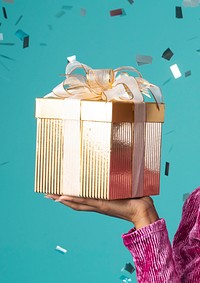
97, 149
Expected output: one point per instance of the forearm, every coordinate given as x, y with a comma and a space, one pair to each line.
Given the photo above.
152, 253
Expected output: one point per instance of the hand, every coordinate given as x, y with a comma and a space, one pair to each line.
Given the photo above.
141, 211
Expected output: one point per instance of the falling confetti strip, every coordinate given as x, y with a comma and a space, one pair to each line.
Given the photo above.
179, 14
167, 81
131, 1
8, 1
167, 168
143, 59
4, 12
6, 57
50, 27
188, 73
2, 64
61, 250
116, 12
4, 163
66, 7
1, 36
60, 14
7, 43
167, 54
175, 71
43, 44
18, 20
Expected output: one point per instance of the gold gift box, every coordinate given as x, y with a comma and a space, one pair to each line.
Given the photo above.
98, 149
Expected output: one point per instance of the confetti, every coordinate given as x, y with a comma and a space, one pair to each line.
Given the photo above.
4, 12
175, 71
9, 1
6, 57
171, 148
187, 73
191, 3
18, 20
167, 168
60, 14
167, 81
23, 36
2, 64
116, 12
4, 163
71, 58
169, 132
179, 14
61, 250
83, 12
50, 27
66, 7
185, 196
167, 54
125, 279
7, 43
143, 59
1, 36
131, 1
43, 44
129, 267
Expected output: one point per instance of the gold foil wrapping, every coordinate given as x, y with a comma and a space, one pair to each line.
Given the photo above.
97, 149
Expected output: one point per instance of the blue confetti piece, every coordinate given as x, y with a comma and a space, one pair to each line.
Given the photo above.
23, 36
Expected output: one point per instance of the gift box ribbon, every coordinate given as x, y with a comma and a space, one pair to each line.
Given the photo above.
104, 84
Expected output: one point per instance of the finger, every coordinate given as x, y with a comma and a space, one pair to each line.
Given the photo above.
77, 207
96, 203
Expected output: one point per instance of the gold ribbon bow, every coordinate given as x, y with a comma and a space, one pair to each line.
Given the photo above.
105, 84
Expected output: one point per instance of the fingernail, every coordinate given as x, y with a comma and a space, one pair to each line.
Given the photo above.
57, 200
48, 197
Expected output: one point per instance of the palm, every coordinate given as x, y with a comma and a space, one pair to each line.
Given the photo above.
133, 210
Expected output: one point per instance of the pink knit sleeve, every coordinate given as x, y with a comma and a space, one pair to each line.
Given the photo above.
186, 244
152, 253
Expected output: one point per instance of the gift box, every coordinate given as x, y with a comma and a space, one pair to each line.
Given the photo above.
98, 149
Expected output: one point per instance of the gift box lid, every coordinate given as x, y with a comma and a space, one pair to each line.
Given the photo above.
75, 109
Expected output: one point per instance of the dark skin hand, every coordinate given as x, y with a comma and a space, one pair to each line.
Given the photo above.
140, 211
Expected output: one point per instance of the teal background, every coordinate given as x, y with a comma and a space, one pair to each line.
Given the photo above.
31, 226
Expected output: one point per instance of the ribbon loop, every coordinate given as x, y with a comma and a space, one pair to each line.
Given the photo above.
105, 84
